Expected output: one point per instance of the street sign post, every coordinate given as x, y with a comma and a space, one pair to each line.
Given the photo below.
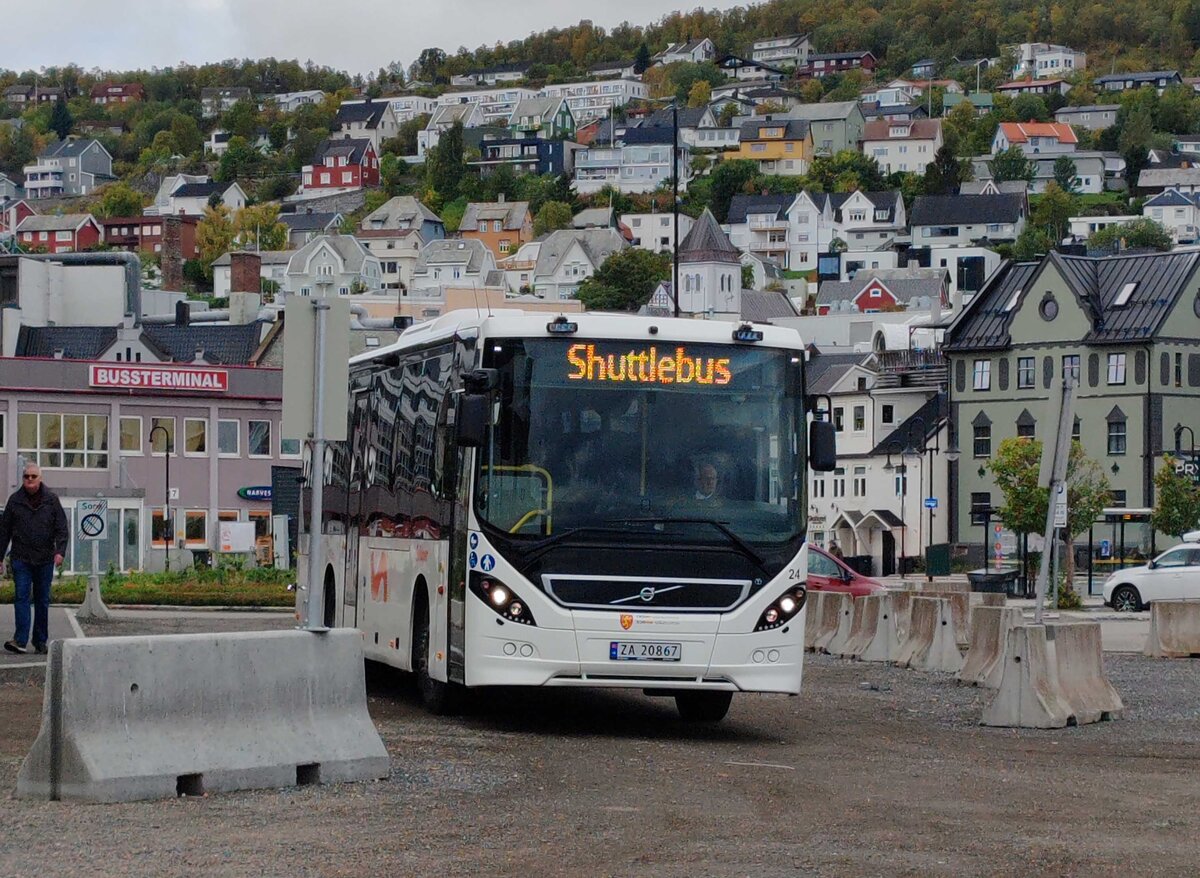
1060, 505
1055, 455
93, 527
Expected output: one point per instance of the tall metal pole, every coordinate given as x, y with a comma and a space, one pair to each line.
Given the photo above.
315, 620
1057, 476
168, 534
675, 202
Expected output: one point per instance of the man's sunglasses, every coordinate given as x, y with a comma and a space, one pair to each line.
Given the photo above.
28, 478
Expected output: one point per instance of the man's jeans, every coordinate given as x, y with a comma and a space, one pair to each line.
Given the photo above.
32, 580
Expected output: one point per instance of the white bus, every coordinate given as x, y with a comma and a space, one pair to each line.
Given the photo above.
604, 500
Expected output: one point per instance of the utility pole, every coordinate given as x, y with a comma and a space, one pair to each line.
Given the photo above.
1054, 474
675, 203
315, 622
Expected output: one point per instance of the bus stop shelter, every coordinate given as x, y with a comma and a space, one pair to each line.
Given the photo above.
1119, 538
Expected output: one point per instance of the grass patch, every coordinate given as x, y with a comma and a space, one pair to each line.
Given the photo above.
220, 587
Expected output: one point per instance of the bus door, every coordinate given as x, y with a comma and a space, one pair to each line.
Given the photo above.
353, 581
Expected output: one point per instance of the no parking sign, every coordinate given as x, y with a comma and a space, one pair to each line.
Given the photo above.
93, 519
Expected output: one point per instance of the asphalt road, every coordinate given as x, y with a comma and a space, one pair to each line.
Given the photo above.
872, 771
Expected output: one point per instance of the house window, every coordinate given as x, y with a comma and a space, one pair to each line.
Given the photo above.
983, 440
839, 482
839, 419
195, 437
819, 487
497, 226
1027, 430
1116, 368
290, 447
227, 438
324, 179
347, 176
1179, 370
981, 503
1025, 377
195, 528
860, 418
160, 442
1071, 368
63, 441
901, 483
1116, 437
260, 439
983, 375
887, 414
860, 481
131, 435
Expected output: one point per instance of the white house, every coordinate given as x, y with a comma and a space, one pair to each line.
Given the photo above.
456, 262
653, 231
1046, 60
1094, 117
496, 104
373, 120
568, 257
332, 265
1035, 138
639, 162
1178, 212
190, 199
469, 115
903, 144
695, 51
595, 100
408, 107
789, 51
963, 220
291, 101
272, 267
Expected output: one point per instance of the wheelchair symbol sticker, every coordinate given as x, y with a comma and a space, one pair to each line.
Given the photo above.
473, 560
474, 541
487, 563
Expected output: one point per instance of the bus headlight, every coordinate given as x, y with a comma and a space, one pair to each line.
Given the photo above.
781, 612
501, 599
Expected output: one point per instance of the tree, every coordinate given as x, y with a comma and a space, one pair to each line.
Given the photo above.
1177, 508
429, 65
1030, 108
1142, 233
747, 277
729, 179
61, 119
641, 61
119, 199
214, 236
845, 171
1066, 174
258, 226
241, 120
444, 164
1054, 210
1136, 138
700, 94
625, 281
944, 174
1177, 110
1032, 244
240, 160
1011, 164
552, 216
725, 118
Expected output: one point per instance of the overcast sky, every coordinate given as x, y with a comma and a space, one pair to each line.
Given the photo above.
356, 36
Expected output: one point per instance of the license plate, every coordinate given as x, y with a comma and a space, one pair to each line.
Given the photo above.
639, 651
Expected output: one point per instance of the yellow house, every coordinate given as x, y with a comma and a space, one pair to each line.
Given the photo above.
780, 146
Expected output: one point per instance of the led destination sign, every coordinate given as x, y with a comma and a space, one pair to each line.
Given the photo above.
647, 365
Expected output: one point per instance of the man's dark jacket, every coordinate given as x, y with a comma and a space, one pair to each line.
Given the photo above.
36, 526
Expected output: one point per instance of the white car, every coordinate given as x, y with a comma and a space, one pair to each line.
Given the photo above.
1172, 576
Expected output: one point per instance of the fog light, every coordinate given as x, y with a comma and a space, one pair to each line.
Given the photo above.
772, 616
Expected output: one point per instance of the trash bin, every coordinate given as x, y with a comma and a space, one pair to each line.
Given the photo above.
1003, 580
860, 564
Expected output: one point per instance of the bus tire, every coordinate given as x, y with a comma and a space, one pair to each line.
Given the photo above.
703, 707
437, 697
329, 599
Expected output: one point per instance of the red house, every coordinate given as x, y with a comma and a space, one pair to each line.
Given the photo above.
838, 62
143, 234
117, 92
342, 163
897, 289
59, 234
12, 213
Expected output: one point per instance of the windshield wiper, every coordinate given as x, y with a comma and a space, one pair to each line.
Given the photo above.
541, 546
742, 546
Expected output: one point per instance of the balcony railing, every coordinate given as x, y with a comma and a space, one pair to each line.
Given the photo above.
769, 225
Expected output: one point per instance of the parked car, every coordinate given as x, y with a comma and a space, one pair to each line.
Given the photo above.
827, 573
1174, 575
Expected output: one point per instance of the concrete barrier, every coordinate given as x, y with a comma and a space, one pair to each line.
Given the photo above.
812, 618
831, 618
128, 718
884, 642
984, 665
837, 644
901, 608
1080, 666
993, 599
862, 629
1174, 629
1029, 696
946, 588
931, 645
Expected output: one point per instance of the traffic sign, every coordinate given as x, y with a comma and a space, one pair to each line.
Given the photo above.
1060, 505
931, 502
93, 519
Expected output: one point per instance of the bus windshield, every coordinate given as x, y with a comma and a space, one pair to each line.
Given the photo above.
655, 436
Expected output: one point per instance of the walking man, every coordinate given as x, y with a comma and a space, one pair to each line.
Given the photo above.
34, 523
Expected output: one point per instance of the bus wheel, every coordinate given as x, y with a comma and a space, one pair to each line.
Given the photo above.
438, 697
703, 707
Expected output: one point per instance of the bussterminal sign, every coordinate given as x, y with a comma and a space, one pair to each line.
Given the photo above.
158, 378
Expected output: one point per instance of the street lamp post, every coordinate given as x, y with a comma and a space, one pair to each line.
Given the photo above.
168, 534
925, 448
902, 472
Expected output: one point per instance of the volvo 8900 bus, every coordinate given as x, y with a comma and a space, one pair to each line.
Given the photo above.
599, 500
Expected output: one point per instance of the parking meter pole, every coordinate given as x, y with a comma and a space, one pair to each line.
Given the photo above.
315, 617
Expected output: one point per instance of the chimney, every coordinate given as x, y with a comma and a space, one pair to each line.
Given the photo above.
245, 287
171, 260
500, 198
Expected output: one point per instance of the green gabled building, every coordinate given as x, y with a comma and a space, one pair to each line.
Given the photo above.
1127, 328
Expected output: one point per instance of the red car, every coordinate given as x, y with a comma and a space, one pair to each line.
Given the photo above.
827, 573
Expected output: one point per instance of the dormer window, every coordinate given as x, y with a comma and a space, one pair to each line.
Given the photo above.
898, 131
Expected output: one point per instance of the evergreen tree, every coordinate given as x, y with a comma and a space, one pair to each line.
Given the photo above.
944, 174
641, 61
1066, 174
61, 119
1011, 164
444, 164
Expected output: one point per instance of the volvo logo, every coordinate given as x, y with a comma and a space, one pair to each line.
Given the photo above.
646, 594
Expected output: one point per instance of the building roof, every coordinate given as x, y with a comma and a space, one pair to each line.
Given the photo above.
1008, 187
1171, 198
793, 129
227, 345
512, 214
823, 111
1028, 83
689, 117
647, 136
839, 56
54, 222
18, 89
266, 257
456, 251
1091, 108
705, 242
741, 206
917, 129
542, 107
598, 244
823, 371
201, 190
1020, 132
309, 221
366, 112
905, 286
354, 149
351, 251
792, 40
889, 201
1143, 76
512, 67
72, 147
763, 306
930, 416
949, 210
399, 212
1155, 178
593, 218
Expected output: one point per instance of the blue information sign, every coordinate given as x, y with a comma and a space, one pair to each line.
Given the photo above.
931, 502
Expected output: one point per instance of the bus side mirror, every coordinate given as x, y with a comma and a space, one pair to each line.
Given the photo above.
822, 446
474, 419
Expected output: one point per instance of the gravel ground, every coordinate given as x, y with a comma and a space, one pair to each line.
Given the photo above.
873, 771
